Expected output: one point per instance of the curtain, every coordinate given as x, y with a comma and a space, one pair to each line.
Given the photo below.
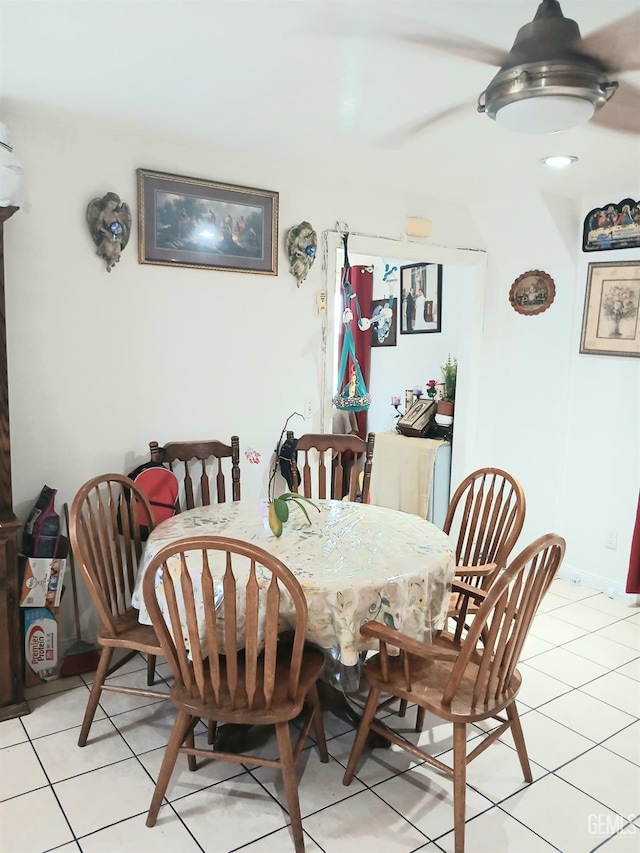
361, 279
633, 578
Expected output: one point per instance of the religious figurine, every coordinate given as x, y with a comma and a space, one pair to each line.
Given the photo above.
109, 221
301, 244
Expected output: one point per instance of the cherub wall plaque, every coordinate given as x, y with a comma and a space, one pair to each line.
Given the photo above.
301, 245
109, 221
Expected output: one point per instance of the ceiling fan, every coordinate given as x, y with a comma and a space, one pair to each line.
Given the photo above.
552, 78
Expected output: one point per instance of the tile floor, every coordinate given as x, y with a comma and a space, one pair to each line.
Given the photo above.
580, 706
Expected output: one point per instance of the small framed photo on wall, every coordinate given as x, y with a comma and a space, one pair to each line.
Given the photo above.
420, 299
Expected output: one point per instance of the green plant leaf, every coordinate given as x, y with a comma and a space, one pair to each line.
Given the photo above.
295, 500
282, 510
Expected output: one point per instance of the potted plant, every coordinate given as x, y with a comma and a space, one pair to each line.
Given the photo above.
449, 376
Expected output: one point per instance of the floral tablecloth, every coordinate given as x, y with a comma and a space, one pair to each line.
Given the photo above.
355, 562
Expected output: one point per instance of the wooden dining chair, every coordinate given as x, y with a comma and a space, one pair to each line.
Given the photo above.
463, 682
198, 465
486, 515
344, 472
216, 604
104, 528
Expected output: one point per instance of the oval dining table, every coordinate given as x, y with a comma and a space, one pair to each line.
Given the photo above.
355, 562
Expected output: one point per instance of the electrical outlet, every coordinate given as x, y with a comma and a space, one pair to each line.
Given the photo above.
321, 302
308, 409
612, 540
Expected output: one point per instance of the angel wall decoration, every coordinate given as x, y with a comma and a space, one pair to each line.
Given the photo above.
301, 245
109, 221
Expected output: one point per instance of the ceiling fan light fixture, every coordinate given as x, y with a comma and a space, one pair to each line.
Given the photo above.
559, 161
547, 114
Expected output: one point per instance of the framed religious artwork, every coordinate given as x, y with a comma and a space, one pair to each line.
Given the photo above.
532, 292
418, 420
611, 319
191, 222
612, 226
420, 298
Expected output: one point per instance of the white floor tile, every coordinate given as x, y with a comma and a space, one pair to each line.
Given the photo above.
280, 841
634, 616
538, 687
496, 772
567, 666
133, 836
319, 785
551, 601
62, 758
147, 727
230, 814
56, 712
625, 632
626, 841
118, 703
184, 781
534, 646
631, 669
363, 822
581, 616
588, 716
614, 606
105, 796
626, 743
616, 690
11, 731
594, 773
554, 630
33, 822
572, 591
497, 832
425, 797
21, 771
550, 744
558, 812
58, 685
601, 650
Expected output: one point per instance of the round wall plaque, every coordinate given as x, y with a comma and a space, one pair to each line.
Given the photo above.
532, 292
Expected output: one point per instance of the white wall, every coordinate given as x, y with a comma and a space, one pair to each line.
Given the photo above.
567, 425
101, 363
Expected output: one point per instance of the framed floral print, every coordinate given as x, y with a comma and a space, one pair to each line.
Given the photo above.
611, 319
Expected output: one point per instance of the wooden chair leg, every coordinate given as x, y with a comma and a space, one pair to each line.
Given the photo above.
402, 710
178, 734
361, 735
94, 696
518, 737
190, 742
459, 783
420, 715
151, 670
318, 724
290, 781
211, 733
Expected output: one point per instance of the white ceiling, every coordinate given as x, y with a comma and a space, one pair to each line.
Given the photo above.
318, 83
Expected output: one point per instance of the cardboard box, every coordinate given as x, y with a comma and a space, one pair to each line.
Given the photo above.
40, 645
42, 582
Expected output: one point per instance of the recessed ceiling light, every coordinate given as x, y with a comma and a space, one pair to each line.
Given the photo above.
560, 161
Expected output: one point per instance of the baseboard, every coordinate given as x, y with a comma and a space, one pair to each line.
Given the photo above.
599, 582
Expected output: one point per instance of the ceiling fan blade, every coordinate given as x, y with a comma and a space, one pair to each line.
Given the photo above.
466, 48
616, 45
622, 112
404, 134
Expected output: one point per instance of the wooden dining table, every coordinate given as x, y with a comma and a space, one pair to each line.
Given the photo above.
355, 562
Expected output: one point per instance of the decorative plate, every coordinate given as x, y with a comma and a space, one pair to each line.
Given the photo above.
532, 292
